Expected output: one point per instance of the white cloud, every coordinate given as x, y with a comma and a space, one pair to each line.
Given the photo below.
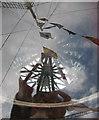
93, 89
78, 77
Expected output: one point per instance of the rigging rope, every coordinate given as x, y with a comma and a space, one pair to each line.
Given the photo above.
53, 11
51, 14
15, 56
49, 9
48, 12
15, 14
55, 105
75, 11
18, 31
78, 114
13, 30
36, 6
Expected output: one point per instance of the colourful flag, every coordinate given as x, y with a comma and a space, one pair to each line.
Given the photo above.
70, 32
43, 19
58, 25
46, 35
28, 4
50, 52
94, 40
49, 27
40, 24
61, 72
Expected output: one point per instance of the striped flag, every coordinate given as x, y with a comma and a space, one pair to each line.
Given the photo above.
70, 32
57, 25
28, 4
94, 40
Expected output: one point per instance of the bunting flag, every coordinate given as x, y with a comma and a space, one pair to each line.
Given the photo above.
57, 25
70, 32
43, 19
28, 4
94, 40
46, 35
50, 52
49, 27
40, 24
61, 72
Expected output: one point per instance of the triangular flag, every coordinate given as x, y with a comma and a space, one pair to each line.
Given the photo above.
28, 4
70, 32
61, 72
40, 24
94, 40
46, 35
58, 25
43, 19
49, 27
50, 52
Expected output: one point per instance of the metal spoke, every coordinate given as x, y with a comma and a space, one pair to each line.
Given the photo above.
24, 71
23, 76
43, 82
35, 75
49, 83
56, 77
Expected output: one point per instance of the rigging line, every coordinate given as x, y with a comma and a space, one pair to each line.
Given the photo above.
70, 12
14, 58
48, 14
51, 14
15, 32
82, 113
20, 3
75, 11
43, 3
12, 30
36, 6
40, 3
49, 9
18, 31
53, 11
79, 114
15, 14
